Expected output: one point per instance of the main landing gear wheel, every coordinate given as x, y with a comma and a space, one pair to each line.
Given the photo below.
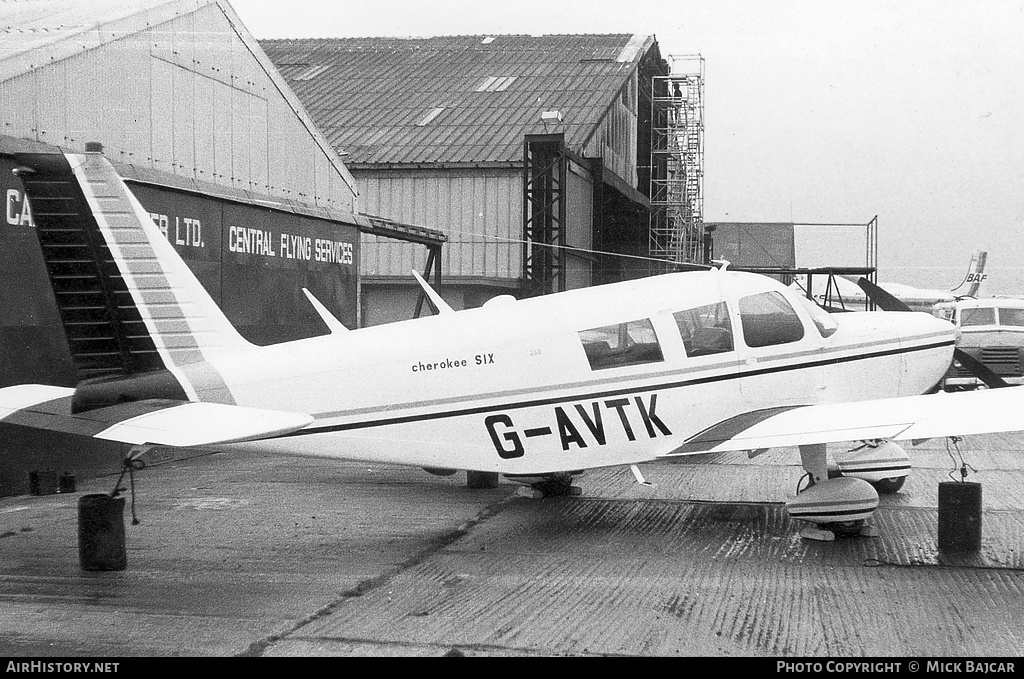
478, 480
554, 485
882, 463
827, 532
889, 486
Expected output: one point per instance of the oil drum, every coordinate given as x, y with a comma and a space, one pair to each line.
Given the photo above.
101, 542
959, 516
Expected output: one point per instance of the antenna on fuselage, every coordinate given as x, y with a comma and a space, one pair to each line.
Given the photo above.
329, 319
440, 304
639, 477
721, 264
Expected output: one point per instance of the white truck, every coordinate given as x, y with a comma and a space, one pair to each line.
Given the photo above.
992, 331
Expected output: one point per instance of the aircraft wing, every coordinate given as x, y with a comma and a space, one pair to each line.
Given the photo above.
153, 421
906, 418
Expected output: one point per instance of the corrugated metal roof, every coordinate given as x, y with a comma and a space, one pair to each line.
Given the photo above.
37, 32
368, 94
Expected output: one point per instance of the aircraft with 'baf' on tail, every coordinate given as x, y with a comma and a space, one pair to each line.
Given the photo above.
843, 294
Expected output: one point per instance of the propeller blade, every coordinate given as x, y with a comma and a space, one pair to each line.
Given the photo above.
887, 302
882, 299
979, 370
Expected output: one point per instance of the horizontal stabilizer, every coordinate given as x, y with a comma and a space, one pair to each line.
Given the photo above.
163, 422
906, 418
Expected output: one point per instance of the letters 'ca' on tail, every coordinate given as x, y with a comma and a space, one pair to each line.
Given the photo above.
130, 306
975, 275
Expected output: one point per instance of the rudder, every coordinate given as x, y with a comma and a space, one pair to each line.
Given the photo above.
129, 304
975, 275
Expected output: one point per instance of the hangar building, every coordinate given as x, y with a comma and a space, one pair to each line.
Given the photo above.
211, 140
532, 153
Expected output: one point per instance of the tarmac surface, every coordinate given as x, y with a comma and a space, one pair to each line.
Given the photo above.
241, 555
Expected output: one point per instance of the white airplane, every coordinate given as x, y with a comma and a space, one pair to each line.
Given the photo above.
536, 389
843, 294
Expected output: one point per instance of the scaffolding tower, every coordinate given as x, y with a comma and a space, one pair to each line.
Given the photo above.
677, 163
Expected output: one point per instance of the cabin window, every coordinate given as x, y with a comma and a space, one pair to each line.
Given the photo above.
1011, 316
977, 316
705, 329
614, 346
768, 319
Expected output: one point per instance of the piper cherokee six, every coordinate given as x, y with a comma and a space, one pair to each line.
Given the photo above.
536, 389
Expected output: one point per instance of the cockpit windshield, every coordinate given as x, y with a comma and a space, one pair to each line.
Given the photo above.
991, 315
977, 316
1011, 316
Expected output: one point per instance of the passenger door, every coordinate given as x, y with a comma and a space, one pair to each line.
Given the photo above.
778, 352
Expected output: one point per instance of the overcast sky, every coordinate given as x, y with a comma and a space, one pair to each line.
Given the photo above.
816, 111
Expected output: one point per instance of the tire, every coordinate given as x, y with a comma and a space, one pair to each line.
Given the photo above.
481, 479
890, 485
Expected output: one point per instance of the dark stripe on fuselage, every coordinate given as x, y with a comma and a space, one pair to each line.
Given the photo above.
862, 470
721, 377
799, 513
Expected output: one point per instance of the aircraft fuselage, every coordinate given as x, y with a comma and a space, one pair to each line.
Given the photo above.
517, 387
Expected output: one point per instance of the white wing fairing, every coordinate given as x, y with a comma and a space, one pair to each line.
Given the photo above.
204, 424
901, 419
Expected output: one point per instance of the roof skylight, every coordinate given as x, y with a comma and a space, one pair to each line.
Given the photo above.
427, 119
311, 72
495, 83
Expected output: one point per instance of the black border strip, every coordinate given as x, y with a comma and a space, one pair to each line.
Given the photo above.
865, 470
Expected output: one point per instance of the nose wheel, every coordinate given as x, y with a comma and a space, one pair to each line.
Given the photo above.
883, 464
827, 532
889, 486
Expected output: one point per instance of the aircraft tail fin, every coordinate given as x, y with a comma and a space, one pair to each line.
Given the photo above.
129, 304
975, 275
